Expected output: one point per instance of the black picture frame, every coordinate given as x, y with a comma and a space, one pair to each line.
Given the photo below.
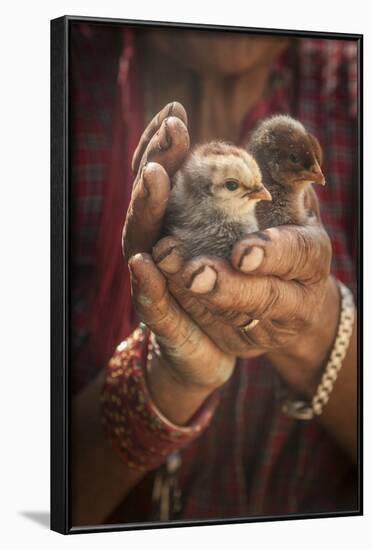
60, 273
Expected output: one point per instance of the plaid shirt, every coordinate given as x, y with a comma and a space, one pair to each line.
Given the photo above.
252, 460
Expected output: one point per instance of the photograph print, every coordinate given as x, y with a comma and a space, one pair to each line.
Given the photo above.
206, 250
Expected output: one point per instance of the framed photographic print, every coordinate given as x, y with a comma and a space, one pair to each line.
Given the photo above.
206, 274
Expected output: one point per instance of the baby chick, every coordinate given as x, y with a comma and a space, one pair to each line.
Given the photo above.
213, 199
289, 158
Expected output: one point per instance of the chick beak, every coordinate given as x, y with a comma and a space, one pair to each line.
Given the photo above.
317, 172
261, 195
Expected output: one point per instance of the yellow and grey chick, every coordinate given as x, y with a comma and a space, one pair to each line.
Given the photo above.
213, 199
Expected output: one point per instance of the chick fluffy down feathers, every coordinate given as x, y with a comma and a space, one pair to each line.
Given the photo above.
289, 158
202, 213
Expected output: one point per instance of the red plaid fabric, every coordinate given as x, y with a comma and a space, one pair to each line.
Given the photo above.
252, 460
94, 67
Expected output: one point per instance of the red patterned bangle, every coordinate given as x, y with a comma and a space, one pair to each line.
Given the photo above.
137, 429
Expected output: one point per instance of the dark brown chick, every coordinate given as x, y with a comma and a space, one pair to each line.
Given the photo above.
289, 158
213, 199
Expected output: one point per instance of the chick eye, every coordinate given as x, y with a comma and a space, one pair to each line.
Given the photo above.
293, 157
231, 185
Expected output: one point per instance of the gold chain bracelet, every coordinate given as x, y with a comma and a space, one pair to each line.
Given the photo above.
305, 411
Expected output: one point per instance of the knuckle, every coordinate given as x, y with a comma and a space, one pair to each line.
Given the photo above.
233, 317
267, 299
161, 310
201, 313
256, 338
189, 337
196, 309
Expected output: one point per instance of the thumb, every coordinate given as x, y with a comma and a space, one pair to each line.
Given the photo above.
159, 311
289, 252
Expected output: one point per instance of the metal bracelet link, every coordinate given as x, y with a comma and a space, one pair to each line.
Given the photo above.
306, 411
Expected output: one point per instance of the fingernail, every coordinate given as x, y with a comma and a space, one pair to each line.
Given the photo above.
251, 259
203, 280
159, 257
132, 266
145, 186
169, 260
163, 139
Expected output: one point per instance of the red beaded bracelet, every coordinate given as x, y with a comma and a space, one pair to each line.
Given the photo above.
137, 429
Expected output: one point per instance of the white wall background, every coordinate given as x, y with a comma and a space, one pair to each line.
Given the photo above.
24, 287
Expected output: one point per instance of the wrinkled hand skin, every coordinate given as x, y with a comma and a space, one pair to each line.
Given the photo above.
279, 276
188, 353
